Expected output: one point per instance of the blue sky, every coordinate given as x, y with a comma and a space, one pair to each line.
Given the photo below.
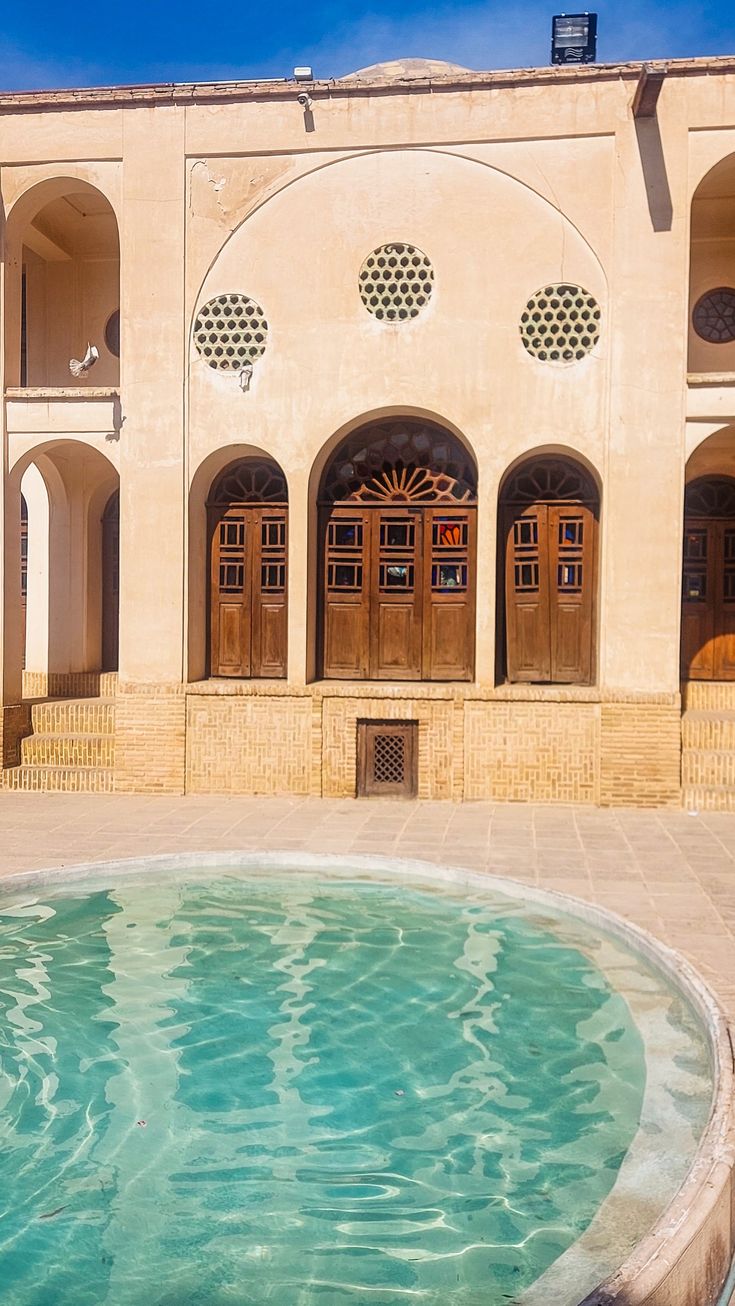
102, 42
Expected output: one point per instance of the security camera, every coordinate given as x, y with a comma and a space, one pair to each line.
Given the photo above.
304, 100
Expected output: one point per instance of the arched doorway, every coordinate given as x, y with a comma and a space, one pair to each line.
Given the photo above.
397, 526
247, 521
548, 521
111, 582
708, 588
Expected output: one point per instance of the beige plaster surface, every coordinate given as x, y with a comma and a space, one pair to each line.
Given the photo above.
665, 870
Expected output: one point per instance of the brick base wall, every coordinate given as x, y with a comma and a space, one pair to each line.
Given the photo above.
256, 745
518, 744
150, 739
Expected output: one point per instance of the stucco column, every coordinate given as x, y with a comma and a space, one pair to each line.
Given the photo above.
152, 497
642, 494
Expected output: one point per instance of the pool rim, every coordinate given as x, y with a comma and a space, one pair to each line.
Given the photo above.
666, 1266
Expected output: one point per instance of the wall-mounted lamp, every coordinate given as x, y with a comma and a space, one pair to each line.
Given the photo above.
574, 38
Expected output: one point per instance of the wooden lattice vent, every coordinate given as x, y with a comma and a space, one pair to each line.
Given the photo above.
387, 759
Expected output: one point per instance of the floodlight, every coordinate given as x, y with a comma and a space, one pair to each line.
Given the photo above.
303, 75
573, 38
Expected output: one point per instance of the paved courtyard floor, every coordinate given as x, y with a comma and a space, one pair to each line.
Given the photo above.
669, 871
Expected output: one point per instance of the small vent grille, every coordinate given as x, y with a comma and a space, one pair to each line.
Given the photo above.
389, 760
714, 316
560, 324
396, 282
230, 332
386, 758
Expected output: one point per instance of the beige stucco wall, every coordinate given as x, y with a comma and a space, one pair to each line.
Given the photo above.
506, 186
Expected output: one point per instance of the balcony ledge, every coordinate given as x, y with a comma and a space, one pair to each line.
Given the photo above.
74, 392
719, 379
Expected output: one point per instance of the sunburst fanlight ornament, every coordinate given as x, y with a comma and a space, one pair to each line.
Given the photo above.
400, 461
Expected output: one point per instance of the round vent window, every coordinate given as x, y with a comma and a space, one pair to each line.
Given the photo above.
396, 282
112, 333
560, 324
230, 332
714, 316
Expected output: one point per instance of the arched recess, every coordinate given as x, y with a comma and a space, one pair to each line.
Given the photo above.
397, 555
712, 271
708, 563
62, 286
65, 544
238, 566
548, 519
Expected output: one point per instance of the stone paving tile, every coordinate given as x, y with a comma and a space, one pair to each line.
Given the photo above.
671, 873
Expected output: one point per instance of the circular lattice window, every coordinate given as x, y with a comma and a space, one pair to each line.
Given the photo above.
714, 316
396, 282
231, 332
560, 324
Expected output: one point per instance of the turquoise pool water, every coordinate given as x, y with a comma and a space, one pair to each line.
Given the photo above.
236, 1088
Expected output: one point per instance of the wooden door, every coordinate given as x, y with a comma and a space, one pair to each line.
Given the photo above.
549, 592
346, 575
449, 593
248, 591
571, 551
527, 594
111, 583
708, 600
396, 597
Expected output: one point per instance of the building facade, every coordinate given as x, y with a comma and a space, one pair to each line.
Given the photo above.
407, 460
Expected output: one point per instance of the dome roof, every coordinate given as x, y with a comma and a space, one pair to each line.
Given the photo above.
397, 69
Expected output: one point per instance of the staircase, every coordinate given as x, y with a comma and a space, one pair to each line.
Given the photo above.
72, 745
708, 746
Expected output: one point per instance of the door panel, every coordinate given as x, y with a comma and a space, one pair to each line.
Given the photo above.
449, 633
270, 611
571, 563
248, 586
527, 593
699, 584
549, 588
395, 626
346, 589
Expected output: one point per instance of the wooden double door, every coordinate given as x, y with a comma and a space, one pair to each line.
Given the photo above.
248, 591
708, 599
549, 592
397, 592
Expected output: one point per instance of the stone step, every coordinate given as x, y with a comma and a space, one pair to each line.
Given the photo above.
708, 695
68, 750
74, 716
69, 684
708, 798
60, 779
701, 766
708, 730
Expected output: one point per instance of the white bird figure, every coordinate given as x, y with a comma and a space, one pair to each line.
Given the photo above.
78, 366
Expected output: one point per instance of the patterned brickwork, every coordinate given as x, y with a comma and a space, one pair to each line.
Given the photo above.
640, 759
150, 739
255, 745
59, 779
436, 756
68, 750
69, 684
84, 716
709, 696
531, 752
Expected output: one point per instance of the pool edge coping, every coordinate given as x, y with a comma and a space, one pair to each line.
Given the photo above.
666, 1266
